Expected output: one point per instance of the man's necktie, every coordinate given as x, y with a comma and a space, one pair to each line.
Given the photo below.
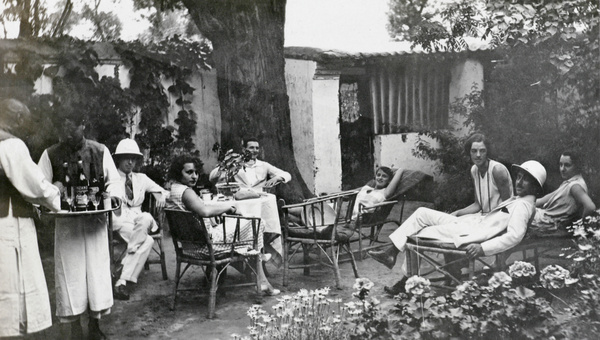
129, 187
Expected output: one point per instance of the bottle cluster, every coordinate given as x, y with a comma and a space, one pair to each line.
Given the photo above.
81, 193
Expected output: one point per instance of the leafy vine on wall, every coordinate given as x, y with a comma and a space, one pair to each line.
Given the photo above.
108, 110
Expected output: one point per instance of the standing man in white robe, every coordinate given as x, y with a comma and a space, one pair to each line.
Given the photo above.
24, 302
81, 250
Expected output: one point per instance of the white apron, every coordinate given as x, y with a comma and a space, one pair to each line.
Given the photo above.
23, 290
82, 265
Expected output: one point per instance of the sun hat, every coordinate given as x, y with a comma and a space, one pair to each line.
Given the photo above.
535, 169
127, 147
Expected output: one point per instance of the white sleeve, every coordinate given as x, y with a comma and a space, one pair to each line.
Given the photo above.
515, 231
26, 176
46, 165
275, 171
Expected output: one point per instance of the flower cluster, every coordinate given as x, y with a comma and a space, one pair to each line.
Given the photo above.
521, 269
500, 279
555, 277
305, 315
417, 285
362, 287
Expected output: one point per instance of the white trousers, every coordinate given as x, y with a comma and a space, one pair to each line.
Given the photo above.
425, 217
134, 230
24, 301
82, 265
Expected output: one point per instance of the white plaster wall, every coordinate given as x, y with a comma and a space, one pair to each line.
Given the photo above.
328, 154
299, 81
465, 76
391, 150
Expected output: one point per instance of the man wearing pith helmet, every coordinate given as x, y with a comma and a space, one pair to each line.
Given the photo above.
132, 224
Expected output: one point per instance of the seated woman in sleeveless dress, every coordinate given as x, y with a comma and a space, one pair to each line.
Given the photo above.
567, 203
184, 174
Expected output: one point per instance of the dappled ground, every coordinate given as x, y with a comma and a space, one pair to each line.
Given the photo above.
147, 313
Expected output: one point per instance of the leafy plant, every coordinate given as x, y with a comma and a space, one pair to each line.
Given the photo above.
586, 266
230, 163
455, 190
496, 309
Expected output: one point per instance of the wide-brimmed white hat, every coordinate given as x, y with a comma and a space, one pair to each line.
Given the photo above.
535, 169
127, 147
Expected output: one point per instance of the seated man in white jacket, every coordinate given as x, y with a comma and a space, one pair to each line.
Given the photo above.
256, 174
501, 229
132, 224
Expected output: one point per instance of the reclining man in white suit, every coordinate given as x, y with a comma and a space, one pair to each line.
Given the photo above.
501, 229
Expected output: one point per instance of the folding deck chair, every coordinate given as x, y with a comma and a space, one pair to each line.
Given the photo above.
419, 250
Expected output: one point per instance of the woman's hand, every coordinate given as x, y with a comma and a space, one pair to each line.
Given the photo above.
232, 210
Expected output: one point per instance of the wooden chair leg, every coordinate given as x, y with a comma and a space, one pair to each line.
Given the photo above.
177, 277
306, 258
163, 261
360, 246
336, 268
286, 263
354, 268
212, 292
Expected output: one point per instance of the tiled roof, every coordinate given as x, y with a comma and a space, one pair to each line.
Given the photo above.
366, 51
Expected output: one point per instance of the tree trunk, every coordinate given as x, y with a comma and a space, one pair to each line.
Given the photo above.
247, 38
25, 28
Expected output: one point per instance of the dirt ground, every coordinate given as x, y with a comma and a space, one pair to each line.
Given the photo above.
147, 315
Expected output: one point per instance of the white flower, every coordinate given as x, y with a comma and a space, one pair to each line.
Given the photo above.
417, 285
363, 283
521, 269
555, 277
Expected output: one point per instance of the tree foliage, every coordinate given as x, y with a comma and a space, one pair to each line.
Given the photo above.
39, 18
541, 93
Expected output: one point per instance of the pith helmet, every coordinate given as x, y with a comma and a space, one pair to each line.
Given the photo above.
127, 147
535, 169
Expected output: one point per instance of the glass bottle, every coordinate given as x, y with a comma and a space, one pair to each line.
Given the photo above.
66, 198
81, 188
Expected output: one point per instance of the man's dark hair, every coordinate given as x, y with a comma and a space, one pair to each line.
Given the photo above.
248, 140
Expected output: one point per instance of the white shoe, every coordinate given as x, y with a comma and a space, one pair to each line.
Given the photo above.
266, 257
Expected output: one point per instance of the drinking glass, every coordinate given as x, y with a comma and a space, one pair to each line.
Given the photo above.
95, 201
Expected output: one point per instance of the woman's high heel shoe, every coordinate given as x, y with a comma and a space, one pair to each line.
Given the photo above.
270, 291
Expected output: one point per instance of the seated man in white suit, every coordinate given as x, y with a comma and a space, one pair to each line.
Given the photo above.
256, 174
132, 224
501, 229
